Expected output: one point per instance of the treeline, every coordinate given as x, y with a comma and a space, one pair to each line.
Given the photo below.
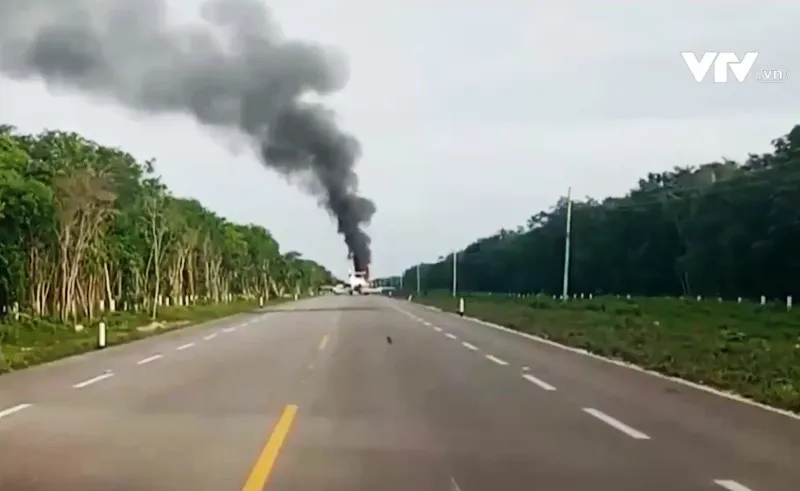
85, 228
724, 229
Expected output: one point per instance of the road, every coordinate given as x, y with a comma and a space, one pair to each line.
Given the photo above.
312, 396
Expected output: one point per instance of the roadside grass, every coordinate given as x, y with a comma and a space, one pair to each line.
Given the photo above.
34, 340
746, 348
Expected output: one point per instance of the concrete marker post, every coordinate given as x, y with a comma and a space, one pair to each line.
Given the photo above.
101, 335
461, 306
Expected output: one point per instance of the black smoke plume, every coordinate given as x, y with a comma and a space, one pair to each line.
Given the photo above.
232, 71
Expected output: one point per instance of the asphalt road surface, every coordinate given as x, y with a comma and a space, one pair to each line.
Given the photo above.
312, 396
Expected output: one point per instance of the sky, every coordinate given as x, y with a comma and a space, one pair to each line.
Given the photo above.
474, 115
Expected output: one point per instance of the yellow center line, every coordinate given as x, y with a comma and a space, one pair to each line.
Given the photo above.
323, 342
266, 461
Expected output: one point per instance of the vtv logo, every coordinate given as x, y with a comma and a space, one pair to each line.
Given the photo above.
721, 62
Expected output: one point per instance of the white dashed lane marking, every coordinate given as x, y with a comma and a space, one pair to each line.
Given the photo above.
496, 360
619, 425
541, 383
731, 485
93, 380
184, 346
13, 409
210, 336
148, 359
229, 329
727, 484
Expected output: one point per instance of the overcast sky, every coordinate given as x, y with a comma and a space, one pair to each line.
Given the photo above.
476, 114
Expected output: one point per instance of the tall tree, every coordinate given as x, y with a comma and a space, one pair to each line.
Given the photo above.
721, 228
85, 227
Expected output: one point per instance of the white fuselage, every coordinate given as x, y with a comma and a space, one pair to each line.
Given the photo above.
357, 282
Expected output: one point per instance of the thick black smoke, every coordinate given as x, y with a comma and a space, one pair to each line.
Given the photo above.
233, 71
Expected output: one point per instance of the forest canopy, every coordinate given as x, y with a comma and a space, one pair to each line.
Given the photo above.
83, 225
724, 228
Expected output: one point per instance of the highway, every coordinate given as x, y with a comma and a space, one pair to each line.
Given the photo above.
312, 396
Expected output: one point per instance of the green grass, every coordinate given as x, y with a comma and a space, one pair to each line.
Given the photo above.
747, 348
32, 341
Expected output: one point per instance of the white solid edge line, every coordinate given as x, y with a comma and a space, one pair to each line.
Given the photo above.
688, 383
496, 360
93, 380
451, 336
731, 485
210, 336
14, 409
184, 346
615, 423
541, 383
148, 359
469, 346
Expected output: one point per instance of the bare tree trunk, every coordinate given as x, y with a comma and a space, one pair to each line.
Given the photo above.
109, 295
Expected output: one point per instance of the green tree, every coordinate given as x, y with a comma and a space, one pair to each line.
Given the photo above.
85, 228
721, 228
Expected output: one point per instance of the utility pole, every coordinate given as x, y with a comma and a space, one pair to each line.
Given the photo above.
418, 280
455, 273
565, 285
